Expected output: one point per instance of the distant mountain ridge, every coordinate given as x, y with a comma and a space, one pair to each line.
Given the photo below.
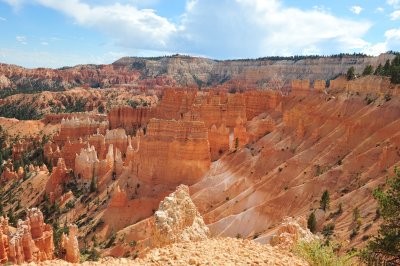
179, 70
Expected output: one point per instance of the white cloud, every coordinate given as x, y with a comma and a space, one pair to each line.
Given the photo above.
44, 43
395, 15
394, 3
126, 24
252, 28
392, 42
356, 9
21, 39
379, 10
393, 34
321, 8
2, 19
221, 29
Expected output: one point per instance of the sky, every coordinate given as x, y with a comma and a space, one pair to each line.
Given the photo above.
56, 33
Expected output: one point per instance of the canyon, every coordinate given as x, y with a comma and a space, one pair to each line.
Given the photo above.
179, 70
168, 168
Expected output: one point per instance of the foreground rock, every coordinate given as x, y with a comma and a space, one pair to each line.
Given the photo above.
31, 242
218, 251
178, 220
291, 232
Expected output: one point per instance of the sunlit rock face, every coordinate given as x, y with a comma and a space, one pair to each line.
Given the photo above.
172, 152
31, 242
177, 220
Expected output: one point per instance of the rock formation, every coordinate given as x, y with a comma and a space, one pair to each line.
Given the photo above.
319, 85
181, 70
172, 152
32, 241
130, 118
119, 198
70, 244
219, 141
56, 180
88, 166
291, 232
177, 220
300, 87
75, 128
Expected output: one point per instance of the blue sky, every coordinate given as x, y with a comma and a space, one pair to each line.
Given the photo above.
55, 33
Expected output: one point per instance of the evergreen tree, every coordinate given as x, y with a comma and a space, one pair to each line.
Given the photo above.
379, 70
395, 70
350, 73
368, 70
93, 185
386, 68
385, 248
395, 75
312, 223
324, 202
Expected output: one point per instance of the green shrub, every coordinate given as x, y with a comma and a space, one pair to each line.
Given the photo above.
318, 254
328, 229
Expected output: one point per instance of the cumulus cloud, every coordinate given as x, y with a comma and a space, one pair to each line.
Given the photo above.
248, 28
356, 9
126, 24
21, 39
395, 15
221, 29
392, 41
394, 3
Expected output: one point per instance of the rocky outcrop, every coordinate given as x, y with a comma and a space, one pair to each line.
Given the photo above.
57, 118
20, 147
291, 232
75, 128
119, 198
88, 166
240, 134
219, 141
258, 102
319, 85
130, 118
300, 87
367, 84
70, 244
56, 180
177, 220
172, 153
31, 242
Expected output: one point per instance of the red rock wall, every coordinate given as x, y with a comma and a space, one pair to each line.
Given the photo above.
172, 152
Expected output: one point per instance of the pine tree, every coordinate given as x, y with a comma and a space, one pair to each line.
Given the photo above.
386, 68
395, 75
385, 248
368, 70
324, 202
312, 223
350, 73
93, 185
379, 70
